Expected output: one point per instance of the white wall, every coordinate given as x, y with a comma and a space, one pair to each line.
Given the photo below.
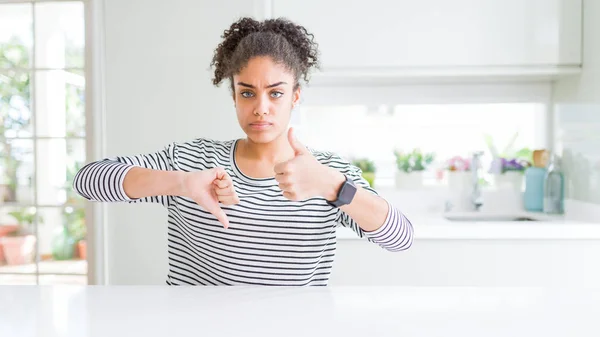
577, 105
157, 57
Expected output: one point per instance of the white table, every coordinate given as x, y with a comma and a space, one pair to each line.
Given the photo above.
114, 311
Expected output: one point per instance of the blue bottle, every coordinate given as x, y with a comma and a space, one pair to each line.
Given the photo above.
533, 197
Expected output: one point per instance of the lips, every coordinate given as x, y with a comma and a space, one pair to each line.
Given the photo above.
260, 126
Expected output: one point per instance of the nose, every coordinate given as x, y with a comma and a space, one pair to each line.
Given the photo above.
262, 106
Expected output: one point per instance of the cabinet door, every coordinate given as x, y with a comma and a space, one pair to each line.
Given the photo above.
434, 33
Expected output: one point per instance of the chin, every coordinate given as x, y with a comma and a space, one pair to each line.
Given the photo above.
261, 137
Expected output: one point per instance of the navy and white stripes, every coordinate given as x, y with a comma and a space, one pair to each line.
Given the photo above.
271, 240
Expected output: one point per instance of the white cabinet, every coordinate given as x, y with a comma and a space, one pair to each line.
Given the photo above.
485, 263
380, 35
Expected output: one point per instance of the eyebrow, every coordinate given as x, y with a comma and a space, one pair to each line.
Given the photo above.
268, 86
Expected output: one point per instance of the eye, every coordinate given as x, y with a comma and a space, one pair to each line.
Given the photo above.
276, 94
246, 94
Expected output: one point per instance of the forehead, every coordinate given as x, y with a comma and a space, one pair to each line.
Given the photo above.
264, 71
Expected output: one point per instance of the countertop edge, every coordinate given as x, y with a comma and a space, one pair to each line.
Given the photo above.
440, 229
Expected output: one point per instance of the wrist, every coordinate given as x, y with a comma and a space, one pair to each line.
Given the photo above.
335, 180
178, 183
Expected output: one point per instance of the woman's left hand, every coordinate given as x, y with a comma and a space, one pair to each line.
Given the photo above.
303, 177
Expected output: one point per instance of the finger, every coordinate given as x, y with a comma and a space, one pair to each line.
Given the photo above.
213, 208
222, 217
229, 200
281, 168
295, 143
286, 187
223, 192
226, 177
222, 189
226, 195
290, 195
281, 178
219, 172
221, 183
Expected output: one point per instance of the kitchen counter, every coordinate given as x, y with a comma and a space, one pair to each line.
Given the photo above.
318, 311
437, 226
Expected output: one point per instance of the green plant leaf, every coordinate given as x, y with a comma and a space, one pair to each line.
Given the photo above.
508, 150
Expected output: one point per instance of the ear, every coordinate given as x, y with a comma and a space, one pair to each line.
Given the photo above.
296, 97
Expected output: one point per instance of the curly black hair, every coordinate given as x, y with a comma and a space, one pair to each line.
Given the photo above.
284, 41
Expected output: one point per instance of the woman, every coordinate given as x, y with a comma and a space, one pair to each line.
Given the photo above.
261, 210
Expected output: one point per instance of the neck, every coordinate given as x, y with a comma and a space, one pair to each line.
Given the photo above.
276, 151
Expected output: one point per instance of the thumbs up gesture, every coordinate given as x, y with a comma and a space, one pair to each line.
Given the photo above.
303, 177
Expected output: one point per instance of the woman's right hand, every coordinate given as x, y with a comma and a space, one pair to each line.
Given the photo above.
209, 187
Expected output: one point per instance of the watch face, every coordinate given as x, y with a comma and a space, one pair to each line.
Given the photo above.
346, 193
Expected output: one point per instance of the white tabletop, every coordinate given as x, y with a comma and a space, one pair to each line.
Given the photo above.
326, 311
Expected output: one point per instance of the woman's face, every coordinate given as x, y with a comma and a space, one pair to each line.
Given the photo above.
264, 96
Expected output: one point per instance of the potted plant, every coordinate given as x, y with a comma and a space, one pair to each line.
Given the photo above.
19, 245
74, 213
458, 170
511, 172
410, 167
9, 166
75, 223
368, 169
509, 165
5, 229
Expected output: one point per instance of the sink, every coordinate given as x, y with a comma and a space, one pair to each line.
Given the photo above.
487, 217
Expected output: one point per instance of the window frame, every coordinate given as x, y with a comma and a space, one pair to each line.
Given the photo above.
91, 16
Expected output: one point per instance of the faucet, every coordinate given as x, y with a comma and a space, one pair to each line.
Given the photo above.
476, 197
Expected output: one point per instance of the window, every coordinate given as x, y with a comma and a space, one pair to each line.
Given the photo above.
445, 129
42, 142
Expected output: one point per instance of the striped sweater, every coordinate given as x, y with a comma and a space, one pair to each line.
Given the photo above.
271, 240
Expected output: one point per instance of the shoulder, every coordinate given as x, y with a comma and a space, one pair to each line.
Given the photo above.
343, 165
202, 144
203, 147
334, 160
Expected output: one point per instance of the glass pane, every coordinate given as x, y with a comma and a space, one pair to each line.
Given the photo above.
444, 130
59, 35
17, 239
16, 37
63, 279
58, 161
16, 279
60, 109
62, 249
16, 171
75, 160
15, 104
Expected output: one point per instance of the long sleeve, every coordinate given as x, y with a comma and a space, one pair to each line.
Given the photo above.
103, 180
396, 233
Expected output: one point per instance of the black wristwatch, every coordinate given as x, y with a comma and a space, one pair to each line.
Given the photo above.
345, 194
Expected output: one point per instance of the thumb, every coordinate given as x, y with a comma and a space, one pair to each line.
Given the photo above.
213, 207
222, 217
295, 143
216, 210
